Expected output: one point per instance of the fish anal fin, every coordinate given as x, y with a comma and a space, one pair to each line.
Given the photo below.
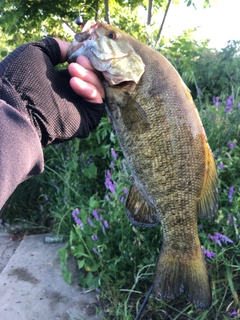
175, 276
139, 210
208, 200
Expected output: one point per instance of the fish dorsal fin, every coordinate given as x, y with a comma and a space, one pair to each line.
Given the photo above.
208, 200
139, 210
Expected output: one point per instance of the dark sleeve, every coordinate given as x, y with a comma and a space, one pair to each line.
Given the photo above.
30, 83
21, 155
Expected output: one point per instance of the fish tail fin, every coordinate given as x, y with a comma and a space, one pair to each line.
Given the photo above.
175, 275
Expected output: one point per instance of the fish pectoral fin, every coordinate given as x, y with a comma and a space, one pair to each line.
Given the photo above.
139, 210
208, 200
135, 117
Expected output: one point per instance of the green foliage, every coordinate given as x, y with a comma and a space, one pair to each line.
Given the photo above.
214, 72
119, 259
82, 191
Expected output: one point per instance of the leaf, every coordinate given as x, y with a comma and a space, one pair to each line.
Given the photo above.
71, 237
81, 263
90, 171
89, 279
63, 255
93, 203
3, 53
67, 275
83, 216
94, 267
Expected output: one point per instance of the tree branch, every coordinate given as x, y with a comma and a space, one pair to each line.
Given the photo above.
160, 30
150, 5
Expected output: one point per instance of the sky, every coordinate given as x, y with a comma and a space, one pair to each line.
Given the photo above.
219, 23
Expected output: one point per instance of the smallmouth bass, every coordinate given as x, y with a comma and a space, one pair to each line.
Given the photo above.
165, 145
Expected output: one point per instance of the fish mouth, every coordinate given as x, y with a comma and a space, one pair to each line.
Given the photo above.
81, 40
106, 55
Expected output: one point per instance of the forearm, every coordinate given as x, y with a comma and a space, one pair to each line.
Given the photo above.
21, 155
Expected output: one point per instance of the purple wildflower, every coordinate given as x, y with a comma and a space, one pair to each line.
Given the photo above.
95, 214
111, 186
94, 237
90, 222
199, 91
122, 199
216, 101
231, 145
95, 250
114, 154
108, 175
219, 238
220, 166
112, 164
77, 220
124, 167
106, 224
74, 214
214, 238
234, 313
229, 104
208, 254
103, 230
107, 197
101, 218
108, 183
231, 192
125, 190
238, 105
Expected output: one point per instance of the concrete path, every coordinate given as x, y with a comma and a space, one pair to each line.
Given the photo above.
32, 287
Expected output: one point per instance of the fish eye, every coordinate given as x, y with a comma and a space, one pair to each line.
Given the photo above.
112, 35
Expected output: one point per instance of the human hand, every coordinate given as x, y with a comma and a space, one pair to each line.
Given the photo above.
50, 98
85, 81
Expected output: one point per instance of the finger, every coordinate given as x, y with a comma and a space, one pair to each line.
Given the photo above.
86, 75
85, 63
86, 90
63, 45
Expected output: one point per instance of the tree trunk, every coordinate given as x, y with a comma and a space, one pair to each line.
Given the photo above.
107, 15
160, 30
150, 6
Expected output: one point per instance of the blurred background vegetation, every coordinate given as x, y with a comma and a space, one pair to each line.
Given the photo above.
82, 191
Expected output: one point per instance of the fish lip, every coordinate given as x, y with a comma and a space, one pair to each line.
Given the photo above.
88, 34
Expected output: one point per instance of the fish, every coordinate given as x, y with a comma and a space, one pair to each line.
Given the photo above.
173, 171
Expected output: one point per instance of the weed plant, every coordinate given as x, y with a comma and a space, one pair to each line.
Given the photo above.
81, 196
83, 192
118, 260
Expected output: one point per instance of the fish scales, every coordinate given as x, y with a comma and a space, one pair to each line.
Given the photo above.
164, 143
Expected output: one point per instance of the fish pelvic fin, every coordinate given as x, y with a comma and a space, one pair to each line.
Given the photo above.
140, 211
175, 276
208, 200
